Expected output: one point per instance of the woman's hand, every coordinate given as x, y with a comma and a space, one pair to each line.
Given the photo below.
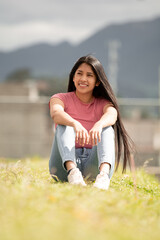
108, 118
82, 135
95, 134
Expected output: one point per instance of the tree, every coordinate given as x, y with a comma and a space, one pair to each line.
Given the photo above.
19, 75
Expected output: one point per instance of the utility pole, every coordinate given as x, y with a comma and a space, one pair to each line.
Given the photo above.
113, 47
159, 89
159, 107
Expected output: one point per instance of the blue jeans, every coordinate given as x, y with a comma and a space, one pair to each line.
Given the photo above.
87, 160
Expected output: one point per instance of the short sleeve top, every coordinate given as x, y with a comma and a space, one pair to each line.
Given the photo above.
86, 113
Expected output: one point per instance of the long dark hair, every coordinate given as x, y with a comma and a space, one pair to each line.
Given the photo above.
104, 90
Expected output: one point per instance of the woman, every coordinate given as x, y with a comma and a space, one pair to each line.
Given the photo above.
89, 130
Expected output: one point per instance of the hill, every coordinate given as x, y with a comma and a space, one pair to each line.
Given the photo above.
137, 63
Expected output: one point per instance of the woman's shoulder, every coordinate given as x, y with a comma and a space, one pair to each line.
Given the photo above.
102, 101
64, 97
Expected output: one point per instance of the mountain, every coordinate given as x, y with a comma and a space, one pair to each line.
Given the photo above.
137, 63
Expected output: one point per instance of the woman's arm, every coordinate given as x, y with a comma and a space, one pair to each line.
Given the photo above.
59, 116
108, 118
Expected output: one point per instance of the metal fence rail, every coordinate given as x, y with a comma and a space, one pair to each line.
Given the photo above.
44, 100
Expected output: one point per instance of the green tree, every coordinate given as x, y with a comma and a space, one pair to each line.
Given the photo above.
19, 75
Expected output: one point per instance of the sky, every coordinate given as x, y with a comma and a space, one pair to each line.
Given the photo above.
27, 22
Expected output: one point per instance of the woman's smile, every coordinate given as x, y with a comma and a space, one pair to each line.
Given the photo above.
83, 84
84, 78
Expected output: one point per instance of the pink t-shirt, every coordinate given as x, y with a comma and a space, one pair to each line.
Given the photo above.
86, 113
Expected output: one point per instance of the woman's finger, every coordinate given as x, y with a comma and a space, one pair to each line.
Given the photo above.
83, 138
92, 138
95, 138
87, 138
77, 137
99, 137
80, 138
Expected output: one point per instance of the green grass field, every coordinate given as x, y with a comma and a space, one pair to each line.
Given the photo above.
34, 207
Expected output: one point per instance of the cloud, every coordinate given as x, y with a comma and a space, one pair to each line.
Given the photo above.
31, 32
16, 11
25, 22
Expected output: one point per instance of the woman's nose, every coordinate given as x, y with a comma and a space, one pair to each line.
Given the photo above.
83, 78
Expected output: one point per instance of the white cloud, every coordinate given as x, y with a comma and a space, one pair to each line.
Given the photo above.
27, 33
23, 23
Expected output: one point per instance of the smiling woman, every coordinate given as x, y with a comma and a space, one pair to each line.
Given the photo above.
89, 130
85, 81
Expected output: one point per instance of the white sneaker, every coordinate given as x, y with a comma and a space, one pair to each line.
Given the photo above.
75, 177
102, 181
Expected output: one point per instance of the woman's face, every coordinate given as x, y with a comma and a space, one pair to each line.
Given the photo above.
85, 79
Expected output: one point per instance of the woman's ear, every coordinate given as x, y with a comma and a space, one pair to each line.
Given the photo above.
97, 83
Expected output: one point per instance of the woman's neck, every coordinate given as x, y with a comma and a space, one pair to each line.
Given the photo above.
86, 98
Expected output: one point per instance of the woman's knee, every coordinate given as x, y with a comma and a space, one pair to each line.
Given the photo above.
65, 130
108, 131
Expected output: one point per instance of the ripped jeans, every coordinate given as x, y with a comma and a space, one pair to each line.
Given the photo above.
87, 160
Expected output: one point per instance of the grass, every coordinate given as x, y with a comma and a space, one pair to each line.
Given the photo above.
33, 206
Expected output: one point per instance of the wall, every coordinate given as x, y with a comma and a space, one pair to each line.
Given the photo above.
25, 130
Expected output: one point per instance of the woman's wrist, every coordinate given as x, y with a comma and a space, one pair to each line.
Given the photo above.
100, 123
73, 123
